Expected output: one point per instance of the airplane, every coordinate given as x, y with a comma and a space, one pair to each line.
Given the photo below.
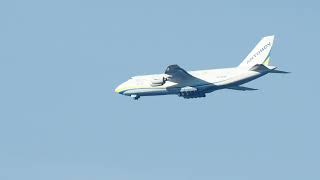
196, 84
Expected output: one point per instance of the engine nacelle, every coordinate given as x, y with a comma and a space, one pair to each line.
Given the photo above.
158, 81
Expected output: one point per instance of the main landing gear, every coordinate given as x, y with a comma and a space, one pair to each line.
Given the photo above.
135, 97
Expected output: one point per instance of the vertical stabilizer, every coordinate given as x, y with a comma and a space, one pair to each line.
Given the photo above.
260, 54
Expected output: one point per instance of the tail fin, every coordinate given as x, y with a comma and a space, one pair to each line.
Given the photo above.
260, 54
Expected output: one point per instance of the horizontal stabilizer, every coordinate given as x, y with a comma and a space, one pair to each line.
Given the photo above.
269, 69
242, 88
279, 71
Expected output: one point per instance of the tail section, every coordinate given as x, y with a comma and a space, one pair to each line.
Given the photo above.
260, 54
280, 72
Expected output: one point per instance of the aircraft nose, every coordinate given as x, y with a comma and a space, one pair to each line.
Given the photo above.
119, 88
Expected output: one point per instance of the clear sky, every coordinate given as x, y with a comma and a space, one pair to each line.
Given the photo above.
60, 118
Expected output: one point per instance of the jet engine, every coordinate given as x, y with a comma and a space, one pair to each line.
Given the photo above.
158, 81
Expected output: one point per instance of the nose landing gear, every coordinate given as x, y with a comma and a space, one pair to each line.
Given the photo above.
135, 97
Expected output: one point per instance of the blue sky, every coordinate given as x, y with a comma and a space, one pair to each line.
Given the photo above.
60, 118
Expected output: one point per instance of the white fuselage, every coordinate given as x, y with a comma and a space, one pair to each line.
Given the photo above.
209, 80
195, 84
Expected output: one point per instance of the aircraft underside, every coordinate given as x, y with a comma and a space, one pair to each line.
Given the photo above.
197, 91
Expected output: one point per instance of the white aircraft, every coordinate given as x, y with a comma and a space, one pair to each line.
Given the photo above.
194, 84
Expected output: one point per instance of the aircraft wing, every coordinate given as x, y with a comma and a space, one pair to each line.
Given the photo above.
178, 75
242, 88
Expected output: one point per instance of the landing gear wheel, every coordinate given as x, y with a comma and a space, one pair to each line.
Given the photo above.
135, 97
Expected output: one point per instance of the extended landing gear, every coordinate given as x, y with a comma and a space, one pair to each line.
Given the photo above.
135, 97
191, 94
